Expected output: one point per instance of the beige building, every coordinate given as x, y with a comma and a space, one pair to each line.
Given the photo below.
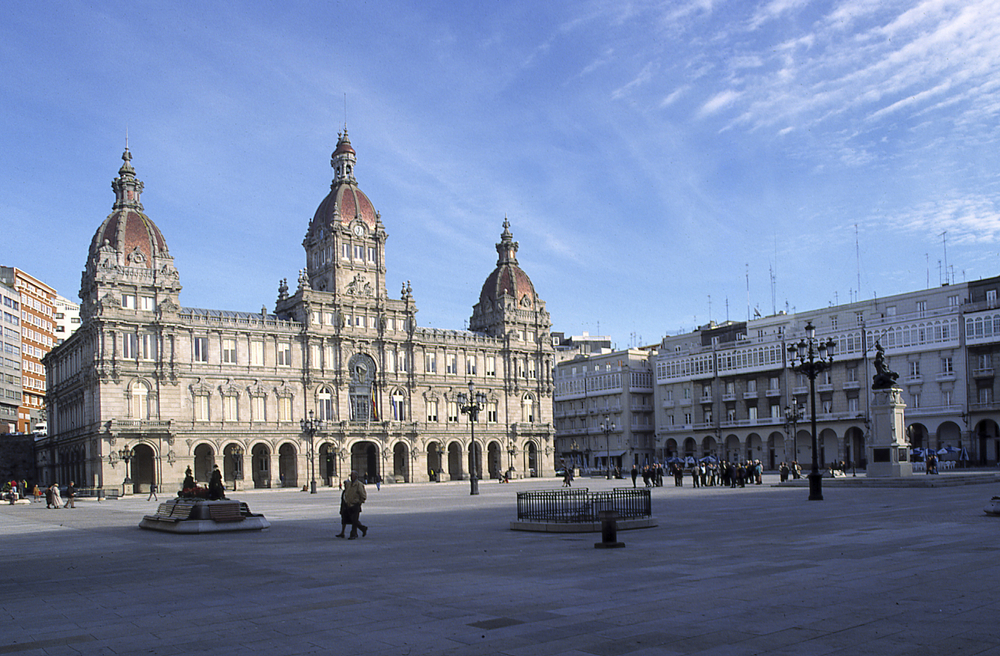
172, 387
604, 411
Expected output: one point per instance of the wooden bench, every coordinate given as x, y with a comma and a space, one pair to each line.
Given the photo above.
225, 512
173, 511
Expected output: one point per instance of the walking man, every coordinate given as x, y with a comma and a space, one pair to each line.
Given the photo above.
152, 491
71, 495
355, 495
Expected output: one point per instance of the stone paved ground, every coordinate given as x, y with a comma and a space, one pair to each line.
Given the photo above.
754, 571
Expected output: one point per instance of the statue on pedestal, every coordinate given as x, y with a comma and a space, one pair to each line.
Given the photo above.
884, 377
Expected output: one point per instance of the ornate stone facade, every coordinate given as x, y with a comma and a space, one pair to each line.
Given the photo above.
178, 387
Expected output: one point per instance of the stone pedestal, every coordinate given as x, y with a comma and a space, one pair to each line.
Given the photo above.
887, 450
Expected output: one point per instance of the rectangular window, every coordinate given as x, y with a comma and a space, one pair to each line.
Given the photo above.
915, 369
201, 408
984, 395
229, 350
284, 354
852, 374
229, 408
200, 349
775, 411
946, 397
345, 251
257, 353
946, 366
452, 367
752, 413
432, 411
827, 406
146, 303
371, 254
452, 412
915, 400
491, 412
890, 311
147, 347
128, 301
284, 408
130, 346
774, 383
953, 301
491, 366
470, 365
398, 407
359, 253
431, 363
991, 297
258, 408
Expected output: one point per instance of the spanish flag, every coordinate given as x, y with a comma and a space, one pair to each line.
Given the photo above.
374, 409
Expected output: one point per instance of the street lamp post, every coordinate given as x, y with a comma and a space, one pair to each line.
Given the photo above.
471, 405
793, 415
126, 454
236, 451
813, 358
607, 427
310, 427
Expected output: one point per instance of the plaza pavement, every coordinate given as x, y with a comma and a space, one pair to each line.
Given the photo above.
759, 570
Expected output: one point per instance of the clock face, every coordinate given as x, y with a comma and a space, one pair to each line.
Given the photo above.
359, 230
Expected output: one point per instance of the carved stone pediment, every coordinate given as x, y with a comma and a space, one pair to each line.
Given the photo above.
201, 388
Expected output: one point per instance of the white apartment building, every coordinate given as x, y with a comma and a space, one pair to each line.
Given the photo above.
728, 390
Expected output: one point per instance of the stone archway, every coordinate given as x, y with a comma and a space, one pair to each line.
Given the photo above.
364, 460
204, 460
143, 467
854, 446
455, 469
328, 463
775, 449
987, 441
288, 466
531, 454
260, 465
435, 460
829, 448
690, 448
671, 448
401, 463
732, 453
494, 460
708, 446
754, 447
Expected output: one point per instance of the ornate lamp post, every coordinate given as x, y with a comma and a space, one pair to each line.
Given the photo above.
125, 454
471, 405
813, 358
793, 415
607, 427
236, 451
310, 427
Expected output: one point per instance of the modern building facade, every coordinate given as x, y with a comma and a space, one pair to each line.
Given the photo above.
604, 411
146, 387
10, 358
37, 339
728, 390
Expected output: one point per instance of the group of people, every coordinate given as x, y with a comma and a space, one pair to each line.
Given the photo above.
702, 474
14, 491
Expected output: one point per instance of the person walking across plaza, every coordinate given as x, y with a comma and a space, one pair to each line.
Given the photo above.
152, 492
71, 495
355, 495
345, 510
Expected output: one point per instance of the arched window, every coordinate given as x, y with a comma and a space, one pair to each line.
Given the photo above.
324, 404
139, 401
398, 401
527, 409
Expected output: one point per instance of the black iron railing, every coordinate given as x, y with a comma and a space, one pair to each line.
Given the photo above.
578, 506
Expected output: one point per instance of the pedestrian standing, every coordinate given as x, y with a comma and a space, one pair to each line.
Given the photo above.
635, 475
71, 495
355, 495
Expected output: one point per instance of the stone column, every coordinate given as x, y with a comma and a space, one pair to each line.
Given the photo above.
887, 450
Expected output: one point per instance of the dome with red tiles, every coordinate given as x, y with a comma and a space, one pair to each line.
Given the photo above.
346, 202
508, 279
128, 237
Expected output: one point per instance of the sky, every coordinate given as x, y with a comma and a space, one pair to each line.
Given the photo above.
662, 164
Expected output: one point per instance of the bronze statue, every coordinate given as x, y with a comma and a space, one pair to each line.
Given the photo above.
884, 377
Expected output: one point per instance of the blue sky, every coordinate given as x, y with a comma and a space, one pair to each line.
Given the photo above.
655, 159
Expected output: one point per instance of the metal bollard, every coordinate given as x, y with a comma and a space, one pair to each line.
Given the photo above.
609, 530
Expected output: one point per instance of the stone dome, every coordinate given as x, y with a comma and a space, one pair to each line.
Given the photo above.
128, 236
345, 202
508, 279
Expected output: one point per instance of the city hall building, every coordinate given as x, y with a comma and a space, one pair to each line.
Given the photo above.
146, 388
